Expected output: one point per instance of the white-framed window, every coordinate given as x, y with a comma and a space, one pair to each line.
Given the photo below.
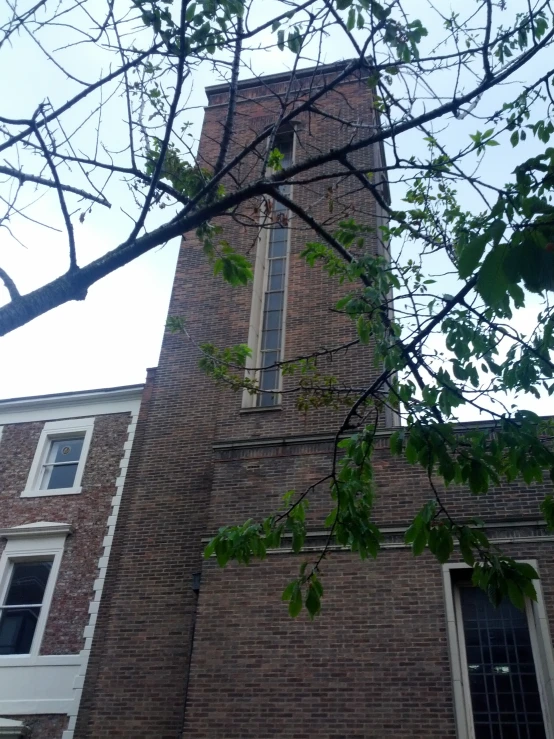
29, 567
269, 298
502, 662
60, 458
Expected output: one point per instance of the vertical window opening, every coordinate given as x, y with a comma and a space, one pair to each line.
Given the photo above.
20, 611
501, 671
274, 287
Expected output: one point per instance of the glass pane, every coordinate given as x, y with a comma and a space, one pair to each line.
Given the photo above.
269, 379
269, 358
277, 267
278, 243
274, 301
17, 628
272, 320
65, 450
278, 208
28, 583
271, 340
276, 282
502, 677
61, 477
266, 400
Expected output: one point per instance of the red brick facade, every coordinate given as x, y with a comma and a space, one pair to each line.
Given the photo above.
229, 663
86, 513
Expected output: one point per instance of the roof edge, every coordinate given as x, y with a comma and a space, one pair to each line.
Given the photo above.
279, 76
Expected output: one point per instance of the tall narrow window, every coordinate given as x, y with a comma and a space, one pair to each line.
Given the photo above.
20, 611
502, 676
273, 295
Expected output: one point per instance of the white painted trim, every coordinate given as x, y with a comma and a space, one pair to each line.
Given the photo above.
32, 547
90, 403
41, 660
88, 633
51, 431
543, 654
13, 729
41, 528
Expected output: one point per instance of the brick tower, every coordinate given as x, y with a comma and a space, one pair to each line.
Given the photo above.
184, 649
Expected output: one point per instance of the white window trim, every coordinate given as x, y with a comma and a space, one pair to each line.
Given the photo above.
54, 430
541, 644
12, 729
26, 544
257, 305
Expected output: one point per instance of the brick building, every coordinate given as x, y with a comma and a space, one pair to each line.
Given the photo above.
402, 648
63, 461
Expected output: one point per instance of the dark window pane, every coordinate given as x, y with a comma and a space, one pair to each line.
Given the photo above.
274, 301
62, 477
278, 249
505, 696
267, 399
277, 266
269, 358
271, 340
269, 379
66, 450
272, 320
28, 582
17, 628
278, 243
276, 282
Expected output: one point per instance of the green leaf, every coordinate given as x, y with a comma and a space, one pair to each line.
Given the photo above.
295, 605
313, 602
289, 590
465, 547
516, 595
547, 510
420, 541
351, 22
471, 255
526, 570
363, 328
343, 4
396, 443
492, 282
281, 40
294, 41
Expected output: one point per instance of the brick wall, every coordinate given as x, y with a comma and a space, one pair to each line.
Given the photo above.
375, 664
86, 512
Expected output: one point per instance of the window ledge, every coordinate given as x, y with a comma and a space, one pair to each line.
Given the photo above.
246, 411
34, 493
41, 528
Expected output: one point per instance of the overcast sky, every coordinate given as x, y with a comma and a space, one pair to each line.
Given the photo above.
115, 334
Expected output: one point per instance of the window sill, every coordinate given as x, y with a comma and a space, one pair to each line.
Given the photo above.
34, 493
39, 660
246, 411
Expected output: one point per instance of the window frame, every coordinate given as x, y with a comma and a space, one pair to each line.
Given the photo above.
32, 544
53, 431
541, 645
255, 328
